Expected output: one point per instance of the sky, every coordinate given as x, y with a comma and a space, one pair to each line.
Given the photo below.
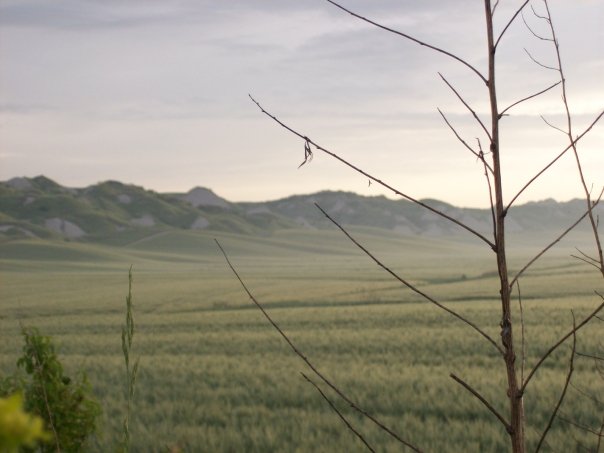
155, 93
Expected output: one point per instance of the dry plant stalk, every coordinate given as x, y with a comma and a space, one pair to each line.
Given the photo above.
515, 421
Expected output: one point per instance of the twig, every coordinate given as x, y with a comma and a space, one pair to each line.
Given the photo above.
588, 395
494, 7
411, 38
409, 285
308, 363
488, 405
589, 356
478, 155
373, 178
518, 11
553, 161
586, 255
535, 34
491, 201
527, 98
545, 18
539, 63
569, 133
553, 126
580, 258
559, 342
554, 242
335, 409
571, 368
522, 332
471, 110
578, 425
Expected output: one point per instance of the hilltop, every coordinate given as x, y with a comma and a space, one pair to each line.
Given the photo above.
39, 207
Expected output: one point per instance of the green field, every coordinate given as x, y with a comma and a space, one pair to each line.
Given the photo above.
215, 376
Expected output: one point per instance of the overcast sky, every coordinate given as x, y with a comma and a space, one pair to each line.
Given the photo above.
155, 93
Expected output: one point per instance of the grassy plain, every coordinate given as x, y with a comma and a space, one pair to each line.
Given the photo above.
215, 376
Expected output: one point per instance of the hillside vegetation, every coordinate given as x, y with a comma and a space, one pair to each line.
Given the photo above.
116, 213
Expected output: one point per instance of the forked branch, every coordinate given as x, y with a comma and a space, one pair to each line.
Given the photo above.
373, 178
467, 106
502, 113
410, 286
569, 133
411, 38
559, 342
479, 155
554, 160
555, 241
309, 363
510, 22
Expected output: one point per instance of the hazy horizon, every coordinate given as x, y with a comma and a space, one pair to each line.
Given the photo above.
186, 190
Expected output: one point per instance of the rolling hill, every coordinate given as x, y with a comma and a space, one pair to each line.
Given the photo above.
118, 213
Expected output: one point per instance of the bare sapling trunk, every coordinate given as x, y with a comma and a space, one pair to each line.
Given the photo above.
516, 426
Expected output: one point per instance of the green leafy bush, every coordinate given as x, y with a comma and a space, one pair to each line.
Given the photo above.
66, 405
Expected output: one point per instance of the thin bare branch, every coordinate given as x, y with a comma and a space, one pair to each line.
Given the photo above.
553, 126
409, 285
518, 11
481, 155
545, 18
580, 258
588, 395
569, 133
463, 142
533, 32
571, 368
335, 409
559, 342
476, 117
553, 161
539, 63
586, 255
522, 332
491, 201
482, 399
590, 356
374, 179
554, 242
528, 98
494, 7
309, 363
578, 425
411, 38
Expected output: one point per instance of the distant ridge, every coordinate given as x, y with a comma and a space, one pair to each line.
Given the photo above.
39, 207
